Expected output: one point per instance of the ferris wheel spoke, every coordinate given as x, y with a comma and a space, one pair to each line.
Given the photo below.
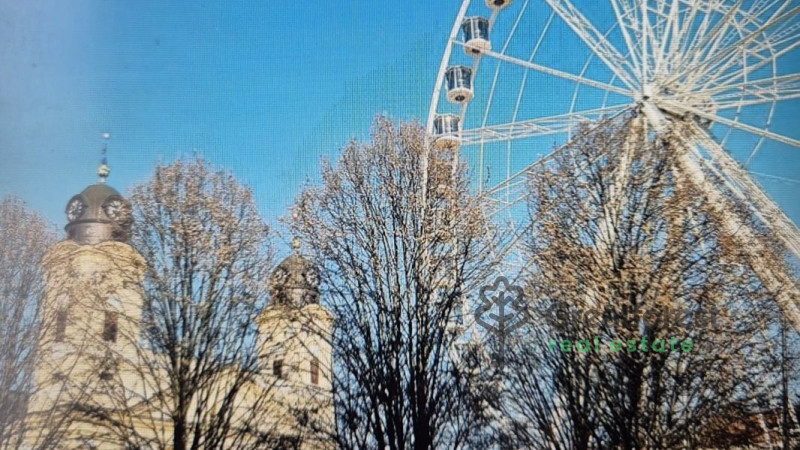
735, 41
624, 14
751, 92
646, 41
672, 26
741, 63
595, 40
776, 177
775, 280
497, 69
760, 100
513, 189
555, 72
518, 179
779, 83
541, 126
505, 195
685, 30
746, 43
762, 6
649, 42
693, 34
786, 34
733, 76
681, 109
735, 69
711, 41
748, 191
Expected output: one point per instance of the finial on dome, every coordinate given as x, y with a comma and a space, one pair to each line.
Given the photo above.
103, 170
295, 281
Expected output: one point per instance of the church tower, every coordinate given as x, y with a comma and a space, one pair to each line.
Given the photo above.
295, 349
90, 317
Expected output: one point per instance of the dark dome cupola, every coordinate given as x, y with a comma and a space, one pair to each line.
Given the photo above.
98, 214
295, 281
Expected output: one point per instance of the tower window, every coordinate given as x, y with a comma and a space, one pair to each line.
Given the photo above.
110, 327
61, 325
277, 368
315, 370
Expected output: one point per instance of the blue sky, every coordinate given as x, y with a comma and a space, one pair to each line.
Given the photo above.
264, 89
261, 88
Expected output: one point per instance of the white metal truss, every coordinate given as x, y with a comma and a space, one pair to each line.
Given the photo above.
675, 107
753, 92
746, 189
781, 285
537, 127
716, 63
557, 73
595, 40
513, 190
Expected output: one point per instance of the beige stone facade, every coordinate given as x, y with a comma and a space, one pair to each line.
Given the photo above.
93, 389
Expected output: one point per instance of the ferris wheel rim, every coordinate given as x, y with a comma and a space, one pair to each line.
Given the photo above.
765, 27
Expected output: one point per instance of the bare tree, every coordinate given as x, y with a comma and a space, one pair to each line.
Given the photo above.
25, 237
398, 241
623, 248
195, 379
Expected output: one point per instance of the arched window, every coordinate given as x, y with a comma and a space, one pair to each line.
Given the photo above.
314, 370
61, 325
62, 315
110, 326
277, 368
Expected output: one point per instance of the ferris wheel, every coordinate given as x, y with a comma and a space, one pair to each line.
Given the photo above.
517, 79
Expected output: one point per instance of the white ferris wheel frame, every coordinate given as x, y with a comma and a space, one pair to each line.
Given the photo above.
724, 53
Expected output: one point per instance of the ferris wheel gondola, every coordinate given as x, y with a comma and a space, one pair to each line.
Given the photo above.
475, 32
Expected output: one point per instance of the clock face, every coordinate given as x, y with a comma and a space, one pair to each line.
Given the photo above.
281, 275
75, 208
115, 209
312, 277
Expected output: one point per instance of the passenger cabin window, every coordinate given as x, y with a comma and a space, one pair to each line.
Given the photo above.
110, 327
277, 368
61, 325
315, 371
